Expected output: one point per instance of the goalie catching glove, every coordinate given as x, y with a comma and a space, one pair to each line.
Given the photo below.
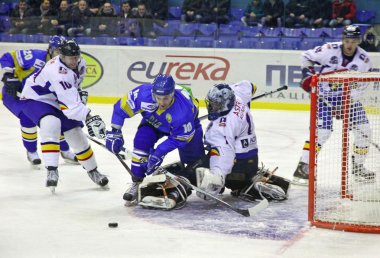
95, 126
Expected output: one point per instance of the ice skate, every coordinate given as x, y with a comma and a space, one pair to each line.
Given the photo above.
98, 178
301, 175
34, 159
130, 196
362, 175
69, 157
52, 178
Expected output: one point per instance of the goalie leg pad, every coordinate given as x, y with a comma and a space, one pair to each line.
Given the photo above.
161, 192
271, 192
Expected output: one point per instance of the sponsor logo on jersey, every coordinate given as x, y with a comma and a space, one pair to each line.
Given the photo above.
150, 107
222, 122
334, 60
94, 70
354, 67
62, 70
168, 118
244, 143
181, 67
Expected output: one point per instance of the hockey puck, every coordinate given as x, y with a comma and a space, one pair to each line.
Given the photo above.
113, 224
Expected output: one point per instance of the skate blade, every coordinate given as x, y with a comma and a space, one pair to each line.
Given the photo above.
52, 189
130, 203
35, 167
71, 162
300, 181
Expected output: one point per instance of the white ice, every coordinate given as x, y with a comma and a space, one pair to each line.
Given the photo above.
74, 221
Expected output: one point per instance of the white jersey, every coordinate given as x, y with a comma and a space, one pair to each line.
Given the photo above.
233, 135
57, 85
330, 58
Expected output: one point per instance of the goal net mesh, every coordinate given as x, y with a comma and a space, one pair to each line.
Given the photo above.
346, 154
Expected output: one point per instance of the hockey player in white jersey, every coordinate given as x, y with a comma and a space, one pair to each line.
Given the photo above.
331, 57
51, 100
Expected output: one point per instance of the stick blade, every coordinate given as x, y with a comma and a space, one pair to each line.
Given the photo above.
262, 205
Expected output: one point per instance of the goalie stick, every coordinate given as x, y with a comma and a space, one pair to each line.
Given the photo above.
263, 204
254, 98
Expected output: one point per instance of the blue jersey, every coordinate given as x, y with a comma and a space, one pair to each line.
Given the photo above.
178, 121
24, 62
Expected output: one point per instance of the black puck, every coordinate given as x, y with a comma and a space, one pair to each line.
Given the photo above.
112, 224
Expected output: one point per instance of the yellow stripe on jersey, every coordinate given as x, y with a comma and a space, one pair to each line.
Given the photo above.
50, 147
29, 136
159, 111
214, 152
124, 106
85, 155
63, 106
20, 73
361, 150
61, 138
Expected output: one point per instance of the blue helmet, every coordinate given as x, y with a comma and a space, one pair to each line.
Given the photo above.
219, 101
55, 42
163, 85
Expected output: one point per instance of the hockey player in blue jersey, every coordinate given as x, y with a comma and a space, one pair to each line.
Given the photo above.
17, 67
166, 110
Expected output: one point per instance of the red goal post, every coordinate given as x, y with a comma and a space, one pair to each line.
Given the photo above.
337, 200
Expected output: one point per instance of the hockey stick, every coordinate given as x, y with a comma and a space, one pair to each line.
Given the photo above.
120, 157
245, 212
257, 97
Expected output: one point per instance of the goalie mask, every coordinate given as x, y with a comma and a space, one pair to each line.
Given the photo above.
219, 101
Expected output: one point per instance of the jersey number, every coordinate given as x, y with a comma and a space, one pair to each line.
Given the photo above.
187, 127
28, 54
65, 85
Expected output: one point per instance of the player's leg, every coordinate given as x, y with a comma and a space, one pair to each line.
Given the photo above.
72, 130
325, 125
145, 138
67, 155
29, 139
362, 132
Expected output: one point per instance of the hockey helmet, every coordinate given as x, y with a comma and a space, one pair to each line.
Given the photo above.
219, 101
70, 53
69, 48
54, 43
352, 32
163, 85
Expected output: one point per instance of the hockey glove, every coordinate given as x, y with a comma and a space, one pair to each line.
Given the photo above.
307, 74
152, 163
11, 84
95, 126
83, 96
114, 140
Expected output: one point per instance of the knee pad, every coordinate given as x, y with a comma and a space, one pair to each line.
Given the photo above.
50, 129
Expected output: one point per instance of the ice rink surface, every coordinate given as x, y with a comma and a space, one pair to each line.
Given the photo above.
74, 221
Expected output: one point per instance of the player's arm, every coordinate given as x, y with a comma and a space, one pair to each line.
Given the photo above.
82, 72
126, 107
69, 100
11, 83
245, 90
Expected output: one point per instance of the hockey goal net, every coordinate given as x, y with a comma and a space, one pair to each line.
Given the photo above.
344, 189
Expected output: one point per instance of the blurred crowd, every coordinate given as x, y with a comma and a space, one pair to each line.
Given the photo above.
134, 18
